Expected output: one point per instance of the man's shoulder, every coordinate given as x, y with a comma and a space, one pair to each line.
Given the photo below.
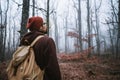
46, 39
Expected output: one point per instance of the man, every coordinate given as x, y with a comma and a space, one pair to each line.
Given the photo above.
44, 48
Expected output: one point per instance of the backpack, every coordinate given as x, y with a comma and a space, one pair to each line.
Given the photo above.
23, 65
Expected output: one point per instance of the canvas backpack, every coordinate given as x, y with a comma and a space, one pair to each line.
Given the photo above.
23, 65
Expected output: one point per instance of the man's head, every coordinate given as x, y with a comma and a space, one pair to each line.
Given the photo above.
36, 23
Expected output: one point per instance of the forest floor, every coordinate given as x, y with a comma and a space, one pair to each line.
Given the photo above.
79, 67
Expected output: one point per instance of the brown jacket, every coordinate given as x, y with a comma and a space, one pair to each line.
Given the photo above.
45, 54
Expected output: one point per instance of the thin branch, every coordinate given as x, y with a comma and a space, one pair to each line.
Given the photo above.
112, 5
39, 8
75, 5
108, 22
17, 3
31, 6
99, 6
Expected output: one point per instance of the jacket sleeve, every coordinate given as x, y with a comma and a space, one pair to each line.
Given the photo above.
52, 70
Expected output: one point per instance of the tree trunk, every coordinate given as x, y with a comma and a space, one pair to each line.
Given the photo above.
88, 25
25, 15
97, 29
79, 24
66, 39
118, 34
3, 31
56, 31
47, 17
111, 41
56, 38
5, 23
33, 9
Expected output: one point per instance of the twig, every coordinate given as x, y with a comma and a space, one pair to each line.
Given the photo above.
31, 6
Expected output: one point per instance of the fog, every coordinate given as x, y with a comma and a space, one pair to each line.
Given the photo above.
62, 10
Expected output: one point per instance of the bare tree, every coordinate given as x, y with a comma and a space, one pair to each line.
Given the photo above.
111, 40
47, 16
88, 24
66, 30
5, 24
79, 22
118, 32
33, 9
1, 33
25, 15
97, 26
113, 29
66, 21
56, 31
3, 30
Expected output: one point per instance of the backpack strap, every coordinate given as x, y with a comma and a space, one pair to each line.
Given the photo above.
31, 45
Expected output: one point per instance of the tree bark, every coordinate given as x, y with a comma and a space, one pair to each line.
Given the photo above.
97, 29
88, 25
25, 15
47, 16
79, 24
111, 40
33, 9
3, 31
56, 32
118, 33
66, 39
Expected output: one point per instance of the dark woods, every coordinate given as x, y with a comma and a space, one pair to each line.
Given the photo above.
86, 34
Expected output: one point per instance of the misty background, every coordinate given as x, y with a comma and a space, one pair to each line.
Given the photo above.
75, 25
